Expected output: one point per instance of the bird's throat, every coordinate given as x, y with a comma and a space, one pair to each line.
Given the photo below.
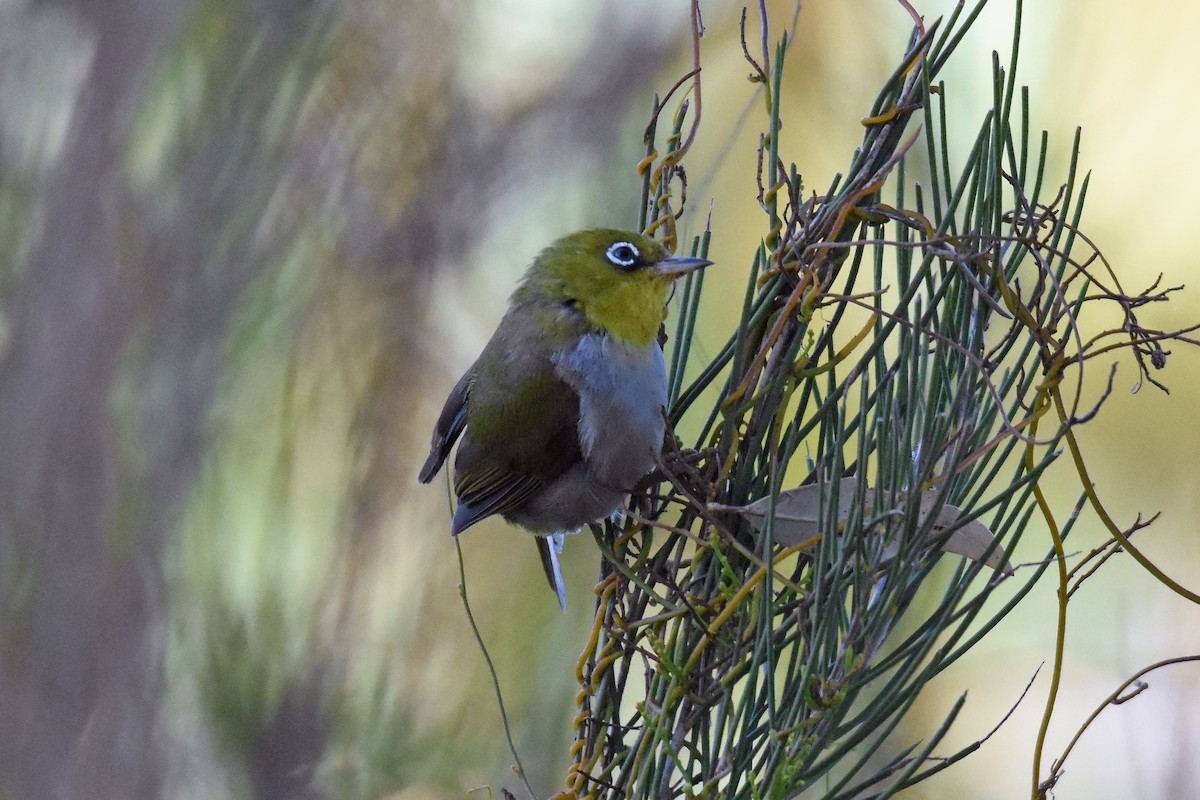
632, 324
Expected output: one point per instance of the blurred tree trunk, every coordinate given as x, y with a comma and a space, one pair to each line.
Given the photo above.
78, 676
86, 507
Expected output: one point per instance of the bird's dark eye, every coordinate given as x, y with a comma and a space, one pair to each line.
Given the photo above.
623, 255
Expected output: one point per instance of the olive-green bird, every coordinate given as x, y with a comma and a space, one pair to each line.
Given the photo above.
562, 413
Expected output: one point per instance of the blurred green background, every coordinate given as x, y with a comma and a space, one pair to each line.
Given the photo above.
249, 246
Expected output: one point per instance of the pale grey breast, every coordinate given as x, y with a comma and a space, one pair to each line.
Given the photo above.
622, 391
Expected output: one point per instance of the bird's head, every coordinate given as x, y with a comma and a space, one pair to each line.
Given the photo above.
618, 279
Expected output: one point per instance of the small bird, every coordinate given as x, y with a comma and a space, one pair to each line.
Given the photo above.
562, 413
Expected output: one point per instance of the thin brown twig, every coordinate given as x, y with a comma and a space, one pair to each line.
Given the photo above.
1115, 698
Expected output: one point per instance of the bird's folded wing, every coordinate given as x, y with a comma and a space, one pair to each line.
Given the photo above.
449, 427
490, 491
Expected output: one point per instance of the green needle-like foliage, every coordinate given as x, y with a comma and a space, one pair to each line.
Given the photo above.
917, 336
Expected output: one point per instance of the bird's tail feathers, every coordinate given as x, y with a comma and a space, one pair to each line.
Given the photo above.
549, 548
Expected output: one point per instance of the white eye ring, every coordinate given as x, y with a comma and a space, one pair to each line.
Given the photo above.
623, 254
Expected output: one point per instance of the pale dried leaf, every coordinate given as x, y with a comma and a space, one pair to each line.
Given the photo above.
798, 510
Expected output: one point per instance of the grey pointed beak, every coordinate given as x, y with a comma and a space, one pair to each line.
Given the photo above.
675, 266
